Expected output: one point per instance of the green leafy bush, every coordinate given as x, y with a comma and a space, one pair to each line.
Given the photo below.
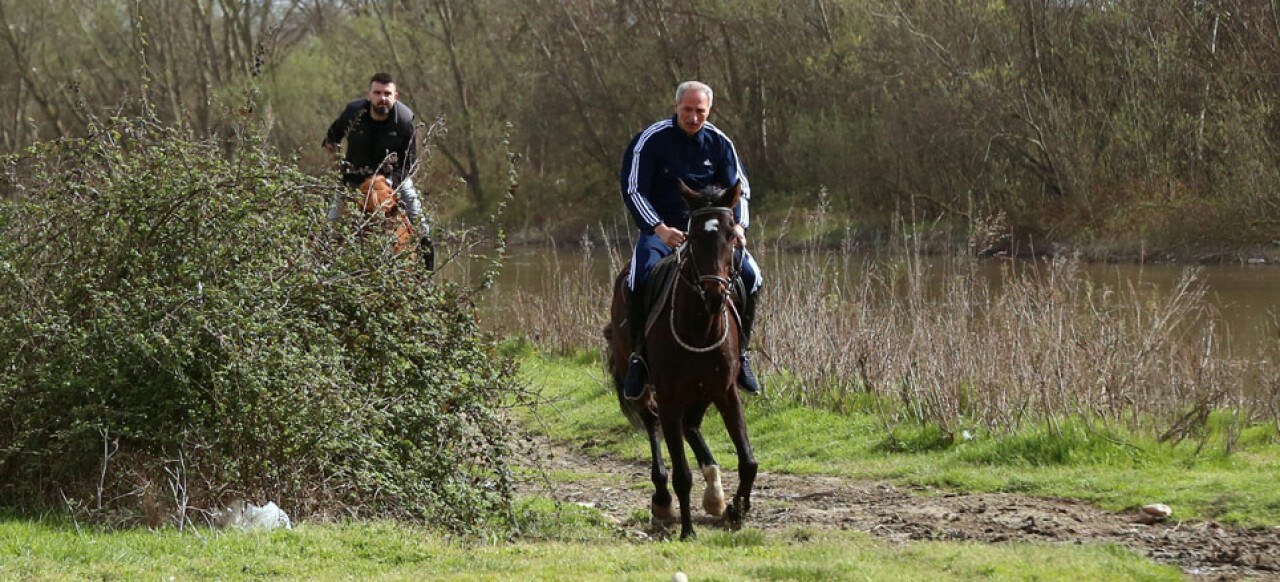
180, 324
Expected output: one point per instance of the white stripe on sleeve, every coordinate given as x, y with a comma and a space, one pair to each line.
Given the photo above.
633, 180
744, 217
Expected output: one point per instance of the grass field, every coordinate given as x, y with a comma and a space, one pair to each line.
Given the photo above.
54, 550
1117, 472
567, 542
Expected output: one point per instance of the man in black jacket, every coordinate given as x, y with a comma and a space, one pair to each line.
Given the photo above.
380, 140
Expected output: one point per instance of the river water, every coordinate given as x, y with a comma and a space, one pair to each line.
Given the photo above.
1244, 298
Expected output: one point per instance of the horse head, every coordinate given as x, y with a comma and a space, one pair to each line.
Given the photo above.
378, 204
710, 240
377, 196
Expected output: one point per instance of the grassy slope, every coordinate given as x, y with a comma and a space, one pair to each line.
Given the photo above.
1116, 475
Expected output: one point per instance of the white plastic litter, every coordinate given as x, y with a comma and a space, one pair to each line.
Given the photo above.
1154, 513
244, 515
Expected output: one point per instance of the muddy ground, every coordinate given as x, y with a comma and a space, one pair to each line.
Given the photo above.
1204, 550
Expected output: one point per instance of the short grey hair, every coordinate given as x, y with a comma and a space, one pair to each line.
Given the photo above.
695, 86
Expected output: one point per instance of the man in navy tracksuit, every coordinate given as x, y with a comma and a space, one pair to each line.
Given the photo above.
682, 148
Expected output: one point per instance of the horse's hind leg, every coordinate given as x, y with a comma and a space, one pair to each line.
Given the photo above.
713, 495
736, 424
660, 504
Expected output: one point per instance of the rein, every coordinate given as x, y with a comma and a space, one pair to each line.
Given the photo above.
725, 283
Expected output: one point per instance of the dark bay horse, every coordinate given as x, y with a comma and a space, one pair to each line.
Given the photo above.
692, 352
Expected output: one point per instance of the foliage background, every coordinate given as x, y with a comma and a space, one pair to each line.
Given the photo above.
1107, 122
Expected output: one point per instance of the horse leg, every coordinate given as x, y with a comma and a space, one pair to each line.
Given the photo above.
713, 495
736, 423
660, 504
681, 478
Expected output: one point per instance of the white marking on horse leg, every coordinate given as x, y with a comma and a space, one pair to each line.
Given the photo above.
663, 514
713, 497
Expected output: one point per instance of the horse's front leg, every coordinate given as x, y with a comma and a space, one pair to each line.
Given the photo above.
736, 423
681, 478
660, 504
713, 495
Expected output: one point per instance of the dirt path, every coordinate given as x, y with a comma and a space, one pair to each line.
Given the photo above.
1205, 550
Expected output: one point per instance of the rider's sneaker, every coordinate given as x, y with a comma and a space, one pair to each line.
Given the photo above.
746, 378
633, 384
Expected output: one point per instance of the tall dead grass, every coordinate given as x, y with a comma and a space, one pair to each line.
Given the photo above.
564, 306
947, 346
943, 343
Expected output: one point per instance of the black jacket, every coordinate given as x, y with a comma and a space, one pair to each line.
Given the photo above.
370, 143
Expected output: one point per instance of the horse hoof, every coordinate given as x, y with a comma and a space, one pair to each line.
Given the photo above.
662, 514
714, 508
732, 514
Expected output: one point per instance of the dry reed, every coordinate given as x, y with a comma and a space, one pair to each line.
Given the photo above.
944, 343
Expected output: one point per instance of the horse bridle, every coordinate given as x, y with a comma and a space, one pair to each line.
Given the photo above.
725, 283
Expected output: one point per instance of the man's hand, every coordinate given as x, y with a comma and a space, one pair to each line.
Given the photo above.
335, 158
670, 236
739, 236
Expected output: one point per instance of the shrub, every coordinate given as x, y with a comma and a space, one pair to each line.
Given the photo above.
180, 324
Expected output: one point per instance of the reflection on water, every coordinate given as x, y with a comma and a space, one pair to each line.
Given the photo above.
1243, 296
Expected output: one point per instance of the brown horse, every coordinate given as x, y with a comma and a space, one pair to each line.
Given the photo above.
692, 352
381, 213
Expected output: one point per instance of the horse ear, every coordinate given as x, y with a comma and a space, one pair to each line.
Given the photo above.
691, 198
730, 196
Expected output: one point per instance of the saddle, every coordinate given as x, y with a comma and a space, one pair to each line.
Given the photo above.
662, 279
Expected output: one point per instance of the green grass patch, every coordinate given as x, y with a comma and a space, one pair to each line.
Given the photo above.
55, 550
1117, 472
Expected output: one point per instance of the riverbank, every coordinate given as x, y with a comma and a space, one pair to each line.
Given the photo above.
816, 232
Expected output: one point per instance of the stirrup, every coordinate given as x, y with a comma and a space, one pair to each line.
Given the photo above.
633, 385
746, 378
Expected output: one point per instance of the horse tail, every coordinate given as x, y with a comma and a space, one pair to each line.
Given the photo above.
618, 348
630, 408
